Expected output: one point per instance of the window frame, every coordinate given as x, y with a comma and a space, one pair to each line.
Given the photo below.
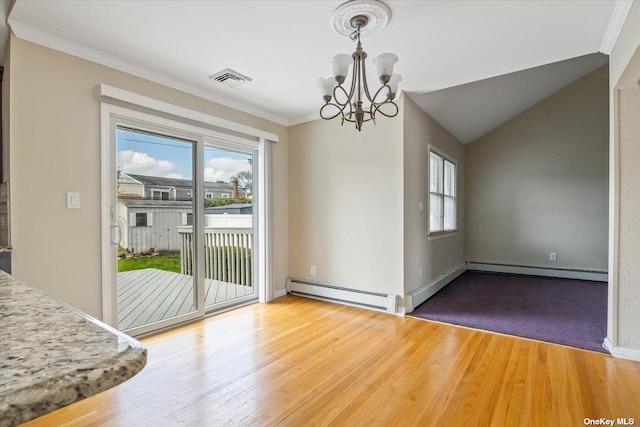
436, 234
162, 193
175, 120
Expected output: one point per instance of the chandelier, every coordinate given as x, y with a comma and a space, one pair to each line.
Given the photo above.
355, 102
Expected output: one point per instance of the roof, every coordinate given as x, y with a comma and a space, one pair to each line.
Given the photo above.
231, 206
175, 182
146, 203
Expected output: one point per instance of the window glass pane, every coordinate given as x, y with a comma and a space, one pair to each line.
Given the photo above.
435, 173
449, 213
449, 178
152, 219
435, 213
228, 226
141, 219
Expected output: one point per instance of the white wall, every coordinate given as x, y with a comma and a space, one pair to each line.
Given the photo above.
539, 183
438, 256
55, 148
623, 332
345, 204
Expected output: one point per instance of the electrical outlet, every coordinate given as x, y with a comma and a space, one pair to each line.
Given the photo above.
553, 256
420, 271
312, 271
421, 206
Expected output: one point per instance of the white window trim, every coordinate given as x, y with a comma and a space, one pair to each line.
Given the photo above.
225, 195
263, 218
449, 233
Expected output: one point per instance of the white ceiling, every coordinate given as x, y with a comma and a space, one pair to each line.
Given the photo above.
284, 46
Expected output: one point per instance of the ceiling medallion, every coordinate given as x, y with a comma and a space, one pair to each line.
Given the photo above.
377, 13
355, 19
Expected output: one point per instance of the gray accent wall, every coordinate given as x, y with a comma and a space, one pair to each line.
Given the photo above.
539, 183
432, 257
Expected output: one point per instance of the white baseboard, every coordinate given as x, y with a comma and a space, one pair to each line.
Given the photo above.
621, 352
599, 276
342, 295
279, 293
426, 291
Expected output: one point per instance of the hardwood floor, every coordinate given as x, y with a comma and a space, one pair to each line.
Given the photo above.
299, 362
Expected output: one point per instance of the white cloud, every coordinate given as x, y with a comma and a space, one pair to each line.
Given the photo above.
223, 168
142, 164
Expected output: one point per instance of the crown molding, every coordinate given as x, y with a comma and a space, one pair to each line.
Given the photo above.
304, 119
620, 12
51, 41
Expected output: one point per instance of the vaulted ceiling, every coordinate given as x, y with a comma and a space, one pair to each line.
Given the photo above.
284, 47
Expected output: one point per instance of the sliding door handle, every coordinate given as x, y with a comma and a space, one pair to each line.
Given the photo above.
116, 234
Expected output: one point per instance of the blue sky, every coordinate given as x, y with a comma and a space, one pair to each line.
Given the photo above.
153, 155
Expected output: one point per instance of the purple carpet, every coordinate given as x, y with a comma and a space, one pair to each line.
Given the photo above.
562, 311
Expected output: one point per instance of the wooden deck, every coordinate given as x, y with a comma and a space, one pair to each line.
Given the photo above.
150, 295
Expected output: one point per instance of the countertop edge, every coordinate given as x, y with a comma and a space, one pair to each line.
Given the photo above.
23, 404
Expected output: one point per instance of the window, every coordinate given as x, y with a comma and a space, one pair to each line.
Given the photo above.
141, 219
208, 195
225, 195
442, 194
159, 195
187, 218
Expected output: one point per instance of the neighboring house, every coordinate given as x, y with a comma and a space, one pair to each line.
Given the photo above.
159, 188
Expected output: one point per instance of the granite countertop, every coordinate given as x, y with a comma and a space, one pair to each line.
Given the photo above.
52, 355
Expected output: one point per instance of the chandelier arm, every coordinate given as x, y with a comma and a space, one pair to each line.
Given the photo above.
366, 86
357, 79
335, 98
354, 73
378, 109
376, 95
340, 110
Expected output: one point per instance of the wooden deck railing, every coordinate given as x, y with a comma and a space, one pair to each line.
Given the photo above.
227, 257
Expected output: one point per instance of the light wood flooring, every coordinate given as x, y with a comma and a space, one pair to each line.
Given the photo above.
150, 295
301, 362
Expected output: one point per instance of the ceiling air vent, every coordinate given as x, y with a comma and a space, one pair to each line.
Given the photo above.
230, 77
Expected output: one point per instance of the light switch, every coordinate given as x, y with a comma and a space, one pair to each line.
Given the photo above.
421, 205
73, 200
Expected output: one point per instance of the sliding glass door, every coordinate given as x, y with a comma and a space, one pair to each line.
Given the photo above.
182, 225
228, 226
154, 202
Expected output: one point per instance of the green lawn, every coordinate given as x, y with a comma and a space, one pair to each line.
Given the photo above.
168, 262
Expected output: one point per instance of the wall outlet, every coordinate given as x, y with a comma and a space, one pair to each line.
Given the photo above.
553, 256
421, 206
420, 271
312, 270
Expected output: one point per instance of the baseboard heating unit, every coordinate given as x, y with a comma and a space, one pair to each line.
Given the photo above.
565, 273
358, 298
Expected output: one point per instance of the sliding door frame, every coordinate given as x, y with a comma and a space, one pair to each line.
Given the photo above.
164, 118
